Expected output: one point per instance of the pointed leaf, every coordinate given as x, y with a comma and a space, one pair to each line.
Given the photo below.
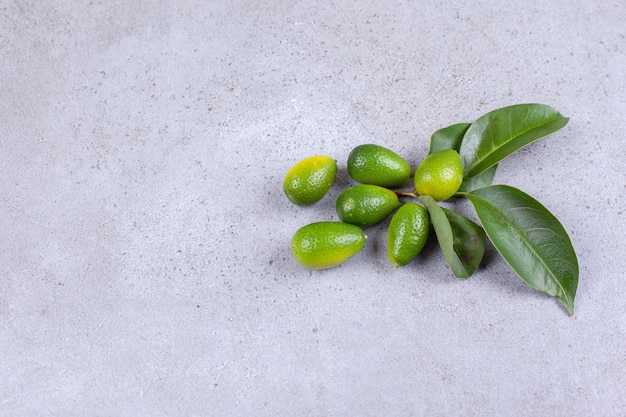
501, 132
530, 239
461, 240
481, 180
448, 138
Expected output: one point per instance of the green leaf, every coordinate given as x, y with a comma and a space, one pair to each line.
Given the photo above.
481, 180
530, 239
501, 132
461, 240
448, 138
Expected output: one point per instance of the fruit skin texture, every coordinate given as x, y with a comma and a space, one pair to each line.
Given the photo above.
365, 205
310, 179
377, 165
439, 175
407, 234
324, 245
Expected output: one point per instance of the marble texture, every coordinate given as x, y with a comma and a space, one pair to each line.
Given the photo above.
145, 267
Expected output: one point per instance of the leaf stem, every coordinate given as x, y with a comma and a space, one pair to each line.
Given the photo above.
401, 193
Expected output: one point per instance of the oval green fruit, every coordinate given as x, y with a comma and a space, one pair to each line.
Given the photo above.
377, 165
407, 234
439, 175
310, 179
324, 245
365, 205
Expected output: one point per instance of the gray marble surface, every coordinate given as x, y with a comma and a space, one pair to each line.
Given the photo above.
145, 267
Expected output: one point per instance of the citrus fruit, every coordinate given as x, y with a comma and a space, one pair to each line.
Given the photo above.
377, 165
407, 234
365, 205
323, 245
310, 179
439, 175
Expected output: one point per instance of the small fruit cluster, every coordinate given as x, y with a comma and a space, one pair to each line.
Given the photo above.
461, 163
379, 171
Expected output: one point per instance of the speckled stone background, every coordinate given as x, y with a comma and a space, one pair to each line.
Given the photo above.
145, 267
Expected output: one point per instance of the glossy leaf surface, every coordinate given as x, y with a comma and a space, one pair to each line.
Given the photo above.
461, 240
530, 239
483, 179
501, 132
450, 138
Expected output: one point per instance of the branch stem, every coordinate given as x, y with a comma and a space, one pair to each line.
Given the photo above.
401, 193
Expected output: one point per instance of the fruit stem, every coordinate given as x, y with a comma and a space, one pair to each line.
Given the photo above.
401, 193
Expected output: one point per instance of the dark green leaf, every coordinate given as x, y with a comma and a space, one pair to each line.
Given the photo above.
501, 132
530, 239
448, 138
483, 179
461, 240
